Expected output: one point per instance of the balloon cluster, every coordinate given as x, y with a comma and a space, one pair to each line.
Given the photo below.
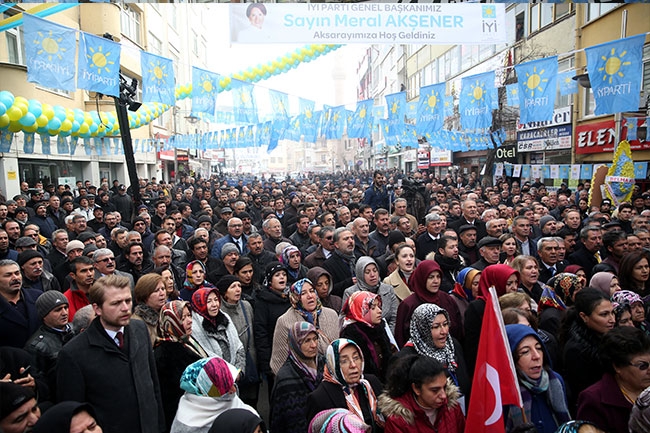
20, 114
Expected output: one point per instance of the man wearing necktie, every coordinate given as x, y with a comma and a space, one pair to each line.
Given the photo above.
547, 249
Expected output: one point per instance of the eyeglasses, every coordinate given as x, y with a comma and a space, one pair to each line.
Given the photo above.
107, 259
642, 365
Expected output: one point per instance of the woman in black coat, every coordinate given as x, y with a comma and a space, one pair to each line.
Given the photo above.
345, 386
174, 351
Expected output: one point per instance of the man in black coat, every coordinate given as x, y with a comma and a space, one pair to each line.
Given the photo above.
18, 316
341, 263
588, 255
428, 241
111, 364
470, 216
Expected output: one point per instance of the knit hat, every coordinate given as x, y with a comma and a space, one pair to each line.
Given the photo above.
74, 245
39, 204
337, 420
273, 268
395, 237
84, 236
90, 248
57, 419
13, 396
225, 282
203, 219
48, 301
228, 248
27, 255
545, 220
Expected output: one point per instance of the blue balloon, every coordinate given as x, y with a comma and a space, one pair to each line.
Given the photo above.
28, 119
54, 124
59, 113
3, 108
75, 126
65, 133
35, 108
93, 128
6, 98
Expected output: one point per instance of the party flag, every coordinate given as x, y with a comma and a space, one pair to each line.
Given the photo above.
336, 124
396, 104
157, 79
73, 144
279, 103
641, 170
631, 124
512, 91
62, 147
537, 88
99, 146
205, 85
6, 138
263, 134
361, 124
525, 171
566, 83
378, 112
45, 143
586, 171
430, 114
99, 65
50, 53
249, 139
495, 379
411, 109
449, 106
474, 105
409, 137
243, 101
28, 142
615, 73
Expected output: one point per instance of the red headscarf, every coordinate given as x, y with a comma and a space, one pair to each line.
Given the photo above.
200, 303
357, 307
497, 276
418, 280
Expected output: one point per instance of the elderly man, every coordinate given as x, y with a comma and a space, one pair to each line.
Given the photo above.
34, 275
234, 236
18, 315
469, 216
105, 265
428, 241
273, 229
179, 257
342, 261
547, 251
489, 249
363, 244
260, 256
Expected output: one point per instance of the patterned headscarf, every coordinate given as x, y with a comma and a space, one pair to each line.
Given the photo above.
640, 415
358, 306
626, 297
209, 377
334, 374
200, 303
189, 282
337, 421
463, 285
298, 333
565, 284
550, 299
286, 253
170, 327
573, 426
422, 340
294, 296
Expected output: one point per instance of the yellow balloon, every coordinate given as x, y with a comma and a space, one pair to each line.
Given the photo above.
14, 113
41, 120
66, 125
83, 128
15, 127
21, 100
32, 128
4, 120
24, 108
48, 112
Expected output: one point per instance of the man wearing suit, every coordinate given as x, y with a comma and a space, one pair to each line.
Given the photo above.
18, 316
470, 216
547, 249
521, 229
428, 241
235, 236
111, 364
588, 255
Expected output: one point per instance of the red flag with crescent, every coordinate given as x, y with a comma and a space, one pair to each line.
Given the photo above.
495, 379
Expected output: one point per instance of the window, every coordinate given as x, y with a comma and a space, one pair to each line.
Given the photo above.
174, 56
534, 18
155, 45
597, 9
130, 21
15, 46
562, 9
563, 66
57, 91
546, 14
645, 84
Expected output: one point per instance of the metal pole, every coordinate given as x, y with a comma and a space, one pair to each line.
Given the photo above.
125, 132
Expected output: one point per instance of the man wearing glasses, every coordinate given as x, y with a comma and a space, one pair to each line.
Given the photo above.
105, 265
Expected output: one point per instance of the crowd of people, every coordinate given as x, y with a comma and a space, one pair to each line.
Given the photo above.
331, 297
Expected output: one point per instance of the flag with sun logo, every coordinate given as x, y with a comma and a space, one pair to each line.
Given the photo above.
157, 79
430, 113
243, 101
537, 89
396, 104
50, 53
474, 103
512, 91
205, 85
615, 72
99, 65
361, 124
566, 83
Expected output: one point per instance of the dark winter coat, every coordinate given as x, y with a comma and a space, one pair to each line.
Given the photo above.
269, 306
16, 328
375, 345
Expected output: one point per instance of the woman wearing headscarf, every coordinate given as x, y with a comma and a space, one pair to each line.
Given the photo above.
640, 416
465, 289
605, 282
194, 279
238, 421
367, 273
300, 374
150, 296
323, 283
608, 403
410, 405
240, 313
637, 308
210, 390
505, 280
345, 386
305, 306
579, 271
272, 302
430, 337
556, 298
292, 259
61, 417
337, 421
542, 389
174, 351
425, 285
364, 325
214, 330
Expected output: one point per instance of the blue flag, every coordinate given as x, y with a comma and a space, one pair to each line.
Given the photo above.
62, 145
586, 171
411, 109
566, 83
537, 89
361, 124
28, 142
99, 65
409, 136
430, 108
45, 143
309, 125
279, 103
336, 124
474, 103
205, 85
396, 104
243, 101
631, 124
449, 106
73, 144
263, 134
615, 73
512, 91
50, 53
157, 79
6, 138
641, 170
378, 112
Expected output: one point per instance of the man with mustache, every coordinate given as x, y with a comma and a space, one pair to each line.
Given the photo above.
18, 316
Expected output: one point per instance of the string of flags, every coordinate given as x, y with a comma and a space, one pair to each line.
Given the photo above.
559, 171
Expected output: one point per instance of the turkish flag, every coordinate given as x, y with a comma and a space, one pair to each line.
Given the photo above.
495, 379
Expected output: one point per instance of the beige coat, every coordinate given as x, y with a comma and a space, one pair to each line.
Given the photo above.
401, 289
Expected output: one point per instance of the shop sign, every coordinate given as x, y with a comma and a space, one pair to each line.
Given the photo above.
507, 154
166, 155
410, 155
601, 137
561, 116
423, 159
547, 138
440, 158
